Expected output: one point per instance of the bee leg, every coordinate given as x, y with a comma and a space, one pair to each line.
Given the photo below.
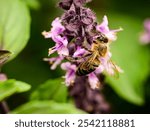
87, 49
77, 58
71, 59
74, 59
86, 55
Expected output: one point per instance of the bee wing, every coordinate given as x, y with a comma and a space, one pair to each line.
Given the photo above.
86, 66
93, 59
116, 69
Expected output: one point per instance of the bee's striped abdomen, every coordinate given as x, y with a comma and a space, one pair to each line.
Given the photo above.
81, 72
83, 69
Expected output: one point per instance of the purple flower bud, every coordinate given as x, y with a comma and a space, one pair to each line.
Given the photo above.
87, 16
88, 99
80, 3
65, 4
79, 41
68, 15
73, 25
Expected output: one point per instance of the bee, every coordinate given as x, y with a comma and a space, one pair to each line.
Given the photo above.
98, 49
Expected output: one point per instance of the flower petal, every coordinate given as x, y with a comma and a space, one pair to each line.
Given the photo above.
103, 28
63, 51
70, 77
145, 38
70, 74
54, 61
108, 66
52, 50
57, 27
3, 77
66, 65
46, 34
100, 69
147, 24
61, 40
79, 52
93, 81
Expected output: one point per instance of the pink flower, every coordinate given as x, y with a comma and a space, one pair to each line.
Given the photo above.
60, 47
103, 28
147, 24
70, 74
3, 77
145, 36
57, 29
93, 81
54, 61
55, 34
79, 52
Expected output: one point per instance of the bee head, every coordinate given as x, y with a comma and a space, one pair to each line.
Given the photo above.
102, 38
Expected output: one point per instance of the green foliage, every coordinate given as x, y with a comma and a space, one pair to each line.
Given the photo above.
14, 25
33, 4
51, 97
132, 57
46, 107
10, 87
51, 90
48, 98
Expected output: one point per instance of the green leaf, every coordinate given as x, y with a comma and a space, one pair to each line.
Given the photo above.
33, 4
51, 90
14, 25
10, 87
46, 107
22, 86
132, 57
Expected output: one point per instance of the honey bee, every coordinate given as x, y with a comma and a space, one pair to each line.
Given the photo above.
98, 49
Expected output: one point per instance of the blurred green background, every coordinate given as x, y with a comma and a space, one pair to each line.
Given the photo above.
129, 94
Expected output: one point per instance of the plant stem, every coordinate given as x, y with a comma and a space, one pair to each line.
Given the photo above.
4, 107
